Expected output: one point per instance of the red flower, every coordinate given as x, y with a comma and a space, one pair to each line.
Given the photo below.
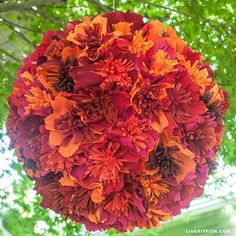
185, 103
150, 101
135, 134
201, 137
108, 165
117, 121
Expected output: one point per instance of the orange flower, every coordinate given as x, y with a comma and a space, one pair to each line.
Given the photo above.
170, 158
153, 187
122, 29
67, 130
162, 64
89, 36
140, 44
156, 216
107, 164
37, 99
115, 70
135, 134
119, 204
156, 30
54, 76
198, 76
80, 29
148, 102
174, 40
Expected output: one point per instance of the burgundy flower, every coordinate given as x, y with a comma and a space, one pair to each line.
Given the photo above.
117, 121
185, 104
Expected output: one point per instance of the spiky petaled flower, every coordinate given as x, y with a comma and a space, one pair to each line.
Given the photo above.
117, 121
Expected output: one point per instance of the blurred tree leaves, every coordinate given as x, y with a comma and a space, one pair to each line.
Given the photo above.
207, 25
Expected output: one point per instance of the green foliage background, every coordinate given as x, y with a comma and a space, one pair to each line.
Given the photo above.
207, 25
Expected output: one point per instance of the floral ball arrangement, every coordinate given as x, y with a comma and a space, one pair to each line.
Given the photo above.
117, 121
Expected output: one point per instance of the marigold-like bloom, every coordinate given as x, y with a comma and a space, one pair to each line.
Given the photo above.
149, 102
135, 134
199, 76
37, 99
140, 44
117, 121
108, 165
115, 71
161, 64
153, 187
123, 28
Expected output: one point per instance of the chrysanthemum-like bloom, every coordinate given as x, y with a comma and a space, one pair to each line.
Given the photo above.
117, 121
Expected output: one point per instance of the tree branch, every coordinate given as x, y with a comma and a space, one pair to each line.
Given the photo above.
19, 26
185, 13
24, 5
100, 5
12, 27
164, 7
10, 55
45, 16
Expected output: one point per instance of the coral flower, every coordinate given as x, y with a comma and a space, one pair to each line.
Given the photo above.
153, 187
108, 164
38, 99
162, 64
115, 71
140, 43
134, 134
149, 102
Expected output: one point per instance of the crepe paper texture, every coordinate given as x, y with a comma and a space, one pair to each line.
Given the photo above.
117, 121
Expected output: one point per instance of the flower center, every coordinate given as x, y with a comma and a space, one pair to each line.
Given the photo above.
76, 119
64, 82
146, 101
214, 109
163, 159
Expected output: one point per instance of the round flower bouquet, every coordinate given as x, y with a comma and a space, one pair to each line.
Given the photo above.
117, 121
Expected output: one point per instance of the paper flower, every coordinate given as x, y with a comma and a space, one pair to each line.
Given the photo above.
117, 121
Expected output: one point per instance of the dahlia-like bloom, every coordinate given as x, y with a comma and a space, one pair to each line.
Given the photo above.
185, 104
140, 43
135, 134
117, 121
154, 188
107, 164
149, 101
201, 137
170, 158
115, 71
